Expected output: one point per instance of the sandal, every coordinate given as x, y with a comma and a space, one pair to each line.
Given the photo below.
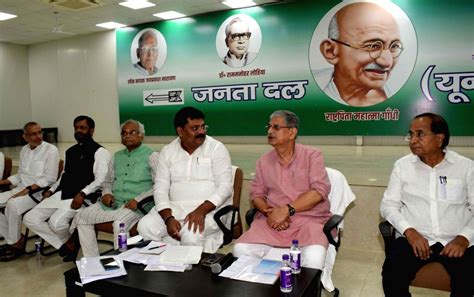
10, 254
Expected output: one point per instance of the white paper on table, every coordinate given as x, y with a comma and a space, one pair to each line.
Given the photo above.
276, 253
134, 256
242, 269
156, 265
181, 255
90, 269
154, 248
134, 239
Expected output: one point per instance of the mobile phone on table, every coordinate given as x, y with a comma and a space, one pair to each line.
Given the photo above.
212, 259
109, 263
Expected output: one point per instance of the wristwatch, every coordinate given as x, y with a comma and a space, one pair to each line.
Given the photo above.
291, 210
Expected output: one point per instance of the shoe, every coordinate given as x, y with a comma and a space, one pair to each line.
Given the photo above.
71, 256
10, 253
72, 247
64, 251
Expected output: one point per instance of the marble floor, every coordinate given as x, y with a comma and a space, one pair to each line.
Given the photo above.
358, 264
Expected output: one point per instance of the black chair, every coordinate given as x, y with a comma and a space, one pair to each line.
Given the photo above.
431, 276
235, 226
7, 171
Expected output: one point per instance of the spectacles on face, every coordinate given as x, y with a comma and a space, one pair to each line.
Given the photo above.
37, 133
199, 127
376, 48
275, 127
240, 36
131, 133
418, 135
148, 50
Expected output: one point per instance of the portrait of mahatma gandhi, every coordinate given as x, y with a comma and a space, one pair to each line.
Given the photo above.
239, 40
147, 53
363, 45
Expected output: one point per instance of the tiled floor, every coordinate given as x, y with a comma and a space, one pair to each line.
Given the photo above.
358, 265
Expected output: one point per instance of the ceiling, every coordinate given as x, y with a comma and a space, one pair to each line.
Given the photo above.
37, 19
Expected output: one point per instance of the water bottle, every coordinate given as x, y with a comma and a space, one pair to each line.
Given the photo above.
286, 282
122, 238
295, 257
39, 257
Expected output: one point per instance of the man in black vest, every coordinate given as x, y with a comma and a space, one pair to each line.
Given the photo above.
84, 173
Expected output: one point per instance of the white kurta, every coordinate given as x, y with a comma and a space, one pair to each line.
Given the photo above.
184, 181
50, 219
37, 166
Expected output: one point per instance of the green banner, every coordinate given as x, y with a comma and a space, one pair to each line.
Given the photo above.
345, 68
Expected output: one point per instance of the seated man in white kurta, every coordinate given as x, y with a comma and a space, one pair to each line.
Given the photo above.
38, 168
84, 173
193, 180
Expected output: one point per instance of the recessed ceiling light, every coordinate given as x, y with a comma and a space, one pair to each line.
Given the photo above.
239, 3
168, 15
137, 4
6, 16
110, 25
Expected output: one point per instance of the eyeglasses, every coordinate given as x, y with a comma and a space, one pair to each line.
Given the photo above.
35, 133
419, 135
240, 36
148, 50
197, 128
376, 48
276, 127
131, 133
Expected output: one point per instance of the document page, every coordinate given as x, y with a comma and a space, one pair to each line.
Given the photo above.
244, 269
181, 255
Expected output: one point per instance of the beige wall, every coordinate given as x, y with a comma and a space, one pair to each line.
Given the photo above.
76, 76
15, 107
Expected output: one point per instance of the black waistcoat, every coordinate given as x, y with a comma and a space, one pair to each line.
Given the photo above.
78, 172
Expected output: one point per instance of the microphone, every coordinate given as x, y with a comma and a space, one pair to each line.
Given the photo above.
222, 264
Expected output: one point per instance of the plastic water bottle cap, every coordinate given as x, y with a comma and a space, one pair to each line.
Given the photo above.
295, 241
122, 225
285, 257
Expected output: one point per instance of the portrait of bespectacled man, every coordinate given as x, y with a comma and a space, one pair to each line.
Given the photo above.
148, 51
362, 53
238, 41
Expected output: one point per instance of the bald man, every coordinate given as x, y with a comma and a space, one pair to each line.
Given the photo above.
238, 40
147, 54
363, 45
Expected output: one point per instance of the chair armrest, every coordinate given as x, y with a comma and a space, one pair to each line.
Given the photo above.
32, 192
228, 232
250, 215
143, 202
386, 229
388, 235
330, 225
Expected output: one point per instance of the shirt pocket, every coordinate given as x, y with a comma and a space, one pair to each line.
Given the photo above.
203, 168
37, 167
455, 191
